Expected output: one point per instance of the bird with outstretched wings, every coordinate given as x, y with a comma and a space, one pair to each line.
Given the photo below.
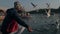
33, 4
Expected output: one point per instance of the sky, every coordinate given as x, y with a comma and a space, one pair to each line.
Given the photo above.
5, 4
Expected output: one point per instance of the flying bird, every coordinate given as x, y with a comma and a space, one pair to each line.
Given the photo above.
33, 4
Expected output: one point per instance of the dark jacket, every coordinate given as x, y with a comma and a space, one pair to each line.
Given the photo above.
12, 14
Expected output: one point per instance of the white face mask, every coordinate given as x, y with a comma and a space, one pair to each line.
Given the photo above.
17, 5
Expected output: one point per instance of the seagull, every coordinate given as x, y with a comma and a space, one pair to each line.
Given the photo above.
33, 5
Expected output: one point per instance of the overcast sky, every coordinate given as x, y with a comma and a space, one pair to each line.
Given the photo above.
27, 4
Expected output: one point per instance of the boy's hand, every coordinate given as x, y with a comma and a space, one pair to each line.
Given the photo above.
29, 29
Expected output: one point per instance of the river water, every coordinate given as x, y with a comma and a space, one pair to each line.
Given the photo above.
43, 24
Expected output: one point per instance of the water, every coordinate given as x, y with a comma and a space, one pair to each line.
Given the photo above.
42, 24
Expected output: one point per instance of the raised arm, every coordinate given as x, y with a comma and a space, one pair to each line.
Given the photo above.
14, 15
19, 20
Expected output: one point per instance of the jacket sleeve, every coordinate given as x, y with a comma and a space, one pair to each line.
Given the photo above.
18, 19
